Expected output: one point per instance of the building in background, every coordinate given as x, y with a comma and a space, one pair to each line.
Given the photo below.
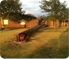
26, 21
52, 23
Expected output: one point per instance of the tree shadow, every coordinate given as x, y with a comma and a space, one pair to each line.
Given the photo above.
54, 48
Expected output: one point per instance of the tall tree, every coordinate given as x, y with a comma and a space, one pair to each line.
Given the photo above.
9, 8
56, 9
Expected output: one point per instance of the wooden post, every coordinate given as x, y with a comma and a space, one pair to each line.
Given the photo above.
2, 23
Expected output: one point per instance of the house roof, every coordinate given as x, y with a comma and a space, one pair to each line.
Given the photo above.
28, 17
23, 16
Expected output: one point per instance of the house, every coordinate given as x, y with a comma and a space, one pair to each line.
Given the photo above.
55, 23
25, 21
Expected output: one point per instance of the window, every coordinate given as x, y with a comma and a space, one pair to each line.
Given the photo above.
22, 23
5, 22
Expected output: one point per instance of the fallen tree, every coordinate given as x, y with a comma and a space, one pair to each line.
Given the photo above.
25, 35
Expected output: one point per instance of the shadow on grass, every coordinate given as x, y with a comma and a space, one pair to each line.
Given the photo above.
55, 48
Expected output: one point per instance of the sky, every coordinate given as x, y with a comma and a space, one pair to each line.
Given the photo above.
32, 6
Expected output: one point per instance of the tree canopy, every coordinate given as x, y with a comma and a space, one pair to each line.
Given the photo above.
55, 9
10, 9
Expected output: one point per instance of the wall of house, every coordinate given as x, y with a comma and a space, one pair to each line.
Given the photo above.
32, 23
52, 23
12, 24
64, 24
28, 24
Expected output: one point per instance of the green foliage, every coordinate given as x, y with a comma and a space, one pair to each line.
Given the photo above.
56, 9
43, 17
9, 7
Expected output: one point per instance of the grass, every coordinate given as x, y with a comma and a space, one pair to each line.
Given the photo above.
46, 43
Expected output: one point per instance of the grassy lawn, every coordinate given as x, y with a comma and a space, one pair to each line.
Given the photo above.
46, 43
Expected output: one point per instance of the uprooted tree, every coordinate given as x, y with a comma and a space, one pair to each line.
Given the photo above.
55, 10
